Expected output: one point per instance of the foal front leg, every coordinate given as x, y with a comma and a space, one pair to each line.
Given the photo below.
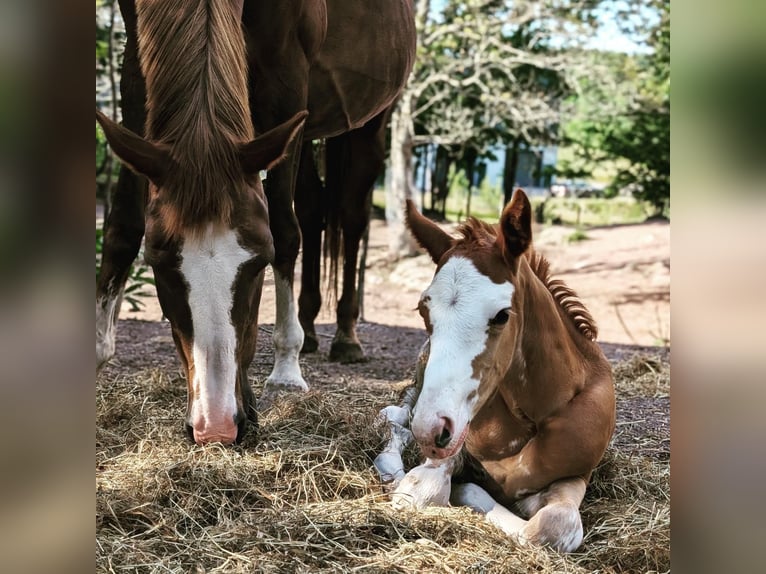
428, 484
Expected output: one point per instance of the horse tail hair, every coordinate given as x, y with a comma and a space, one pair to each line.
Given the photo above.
336, 150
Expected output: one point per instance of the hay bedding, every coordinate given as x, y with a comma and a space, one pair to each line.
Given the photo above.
302, 496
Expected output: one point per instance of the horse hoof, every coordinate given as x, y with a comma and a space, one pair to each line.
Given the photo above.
343, 352
310, 343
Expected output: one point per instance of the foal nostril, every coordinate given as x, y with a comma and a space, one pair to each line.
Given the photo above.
442, 439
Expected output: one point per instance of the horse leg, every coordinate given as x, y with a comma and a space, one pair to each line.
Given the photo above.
389, 462
288, 334
308, 209
428, 484
354, 161
124, 227
475, 497
555, 515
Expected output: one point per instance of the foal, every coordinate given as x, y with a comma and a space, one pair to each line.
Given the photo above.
514, 401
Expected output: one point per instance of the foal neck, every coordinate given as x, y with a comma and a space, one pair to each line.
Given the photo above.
548, 366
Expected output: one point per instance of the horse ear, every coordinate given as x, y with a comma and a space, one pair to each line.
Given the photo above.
515, 234
268, 149
139, 154
429, 236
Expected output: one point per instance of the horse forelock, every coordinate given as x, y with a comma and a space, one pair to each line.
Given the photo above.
193, 57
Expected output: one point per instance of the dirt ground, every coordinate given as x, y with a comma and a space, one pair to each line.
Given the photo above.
622, 273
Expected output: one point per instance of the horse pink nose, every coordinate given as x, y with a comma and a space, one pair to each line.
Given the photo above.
443, 434
223, 436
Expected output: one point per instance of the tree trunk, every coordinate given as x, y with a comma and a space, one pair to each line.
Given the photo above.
401, 187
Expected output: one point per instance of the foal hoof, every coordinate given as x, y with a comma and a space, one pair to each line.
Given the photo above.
345, 352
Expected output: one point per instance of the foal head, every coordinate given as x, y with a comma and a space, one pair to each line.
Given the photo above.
467, 310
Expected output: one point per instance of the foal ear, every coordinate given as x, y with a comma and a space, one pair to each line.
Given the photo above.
515, 232
139, 154
429, 236
269, 148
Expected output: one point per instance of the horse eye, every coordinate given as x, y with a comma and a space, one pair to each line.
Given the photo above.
501, 318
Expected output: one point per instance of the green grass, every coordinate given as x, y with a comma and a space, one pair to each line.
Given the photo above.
577, 235
586, 212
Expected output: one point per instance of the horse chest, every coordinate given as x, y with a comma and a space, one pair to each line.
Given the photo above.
496, 433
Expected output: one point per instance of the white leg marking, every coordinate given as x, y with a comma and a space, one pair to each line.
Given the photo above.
106, 307
389, 462
210, 265
288, 340
425, 485
475, 497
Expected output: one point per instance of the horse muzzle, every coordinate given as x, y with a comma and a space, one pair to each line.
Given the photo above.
438, 440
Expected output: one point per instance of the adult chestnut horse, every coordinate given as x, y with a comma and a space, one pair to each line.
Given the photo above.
513, 399
213, 74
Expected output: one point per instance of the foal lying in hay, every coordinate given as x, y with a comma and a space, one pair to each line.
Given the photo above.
514, 401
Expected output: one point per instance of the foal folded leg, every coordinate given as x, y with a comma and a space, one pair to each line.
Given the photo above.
555, 515
428, 484
389, 462
478, 499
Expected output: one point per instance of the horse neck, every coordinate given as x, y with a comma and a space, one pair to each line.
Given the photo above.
547, 365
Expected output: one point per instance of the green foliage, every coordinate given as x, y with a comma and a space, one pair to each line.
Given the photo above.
577, 235
139, 277
622, 117
591, 211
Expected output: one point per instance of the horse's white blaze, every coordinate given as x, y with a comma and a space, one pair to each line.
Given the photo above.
288, 340
461, 301
210, 265
105, 327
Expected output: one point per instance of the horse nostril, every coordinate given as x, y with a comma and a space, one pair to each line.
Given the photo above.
442, 439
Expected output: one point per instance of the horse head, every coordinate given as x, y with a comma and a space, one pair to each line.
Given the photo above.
208, 259
470, 316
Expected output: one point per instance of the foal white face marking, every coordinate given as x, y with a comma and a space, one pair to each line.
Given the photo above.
209, 265
461, 301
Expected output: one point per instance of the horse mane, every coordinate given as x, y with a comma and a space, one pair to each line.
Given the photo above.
483, 235
193, 57
564, 295
477, 232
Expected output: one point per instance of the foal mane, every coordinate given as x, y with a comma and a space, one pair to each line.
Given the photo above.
193, 58
564, 295
477, 233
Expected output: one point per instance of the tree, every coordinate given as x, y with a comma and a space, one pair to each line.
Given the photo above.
622, 113
485, 72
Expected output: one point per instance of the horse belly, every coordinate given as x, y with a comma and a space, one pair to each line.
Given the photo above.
362, 66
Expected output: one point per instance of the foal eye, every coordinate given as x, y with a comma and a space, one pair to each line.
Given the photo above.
501, 318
